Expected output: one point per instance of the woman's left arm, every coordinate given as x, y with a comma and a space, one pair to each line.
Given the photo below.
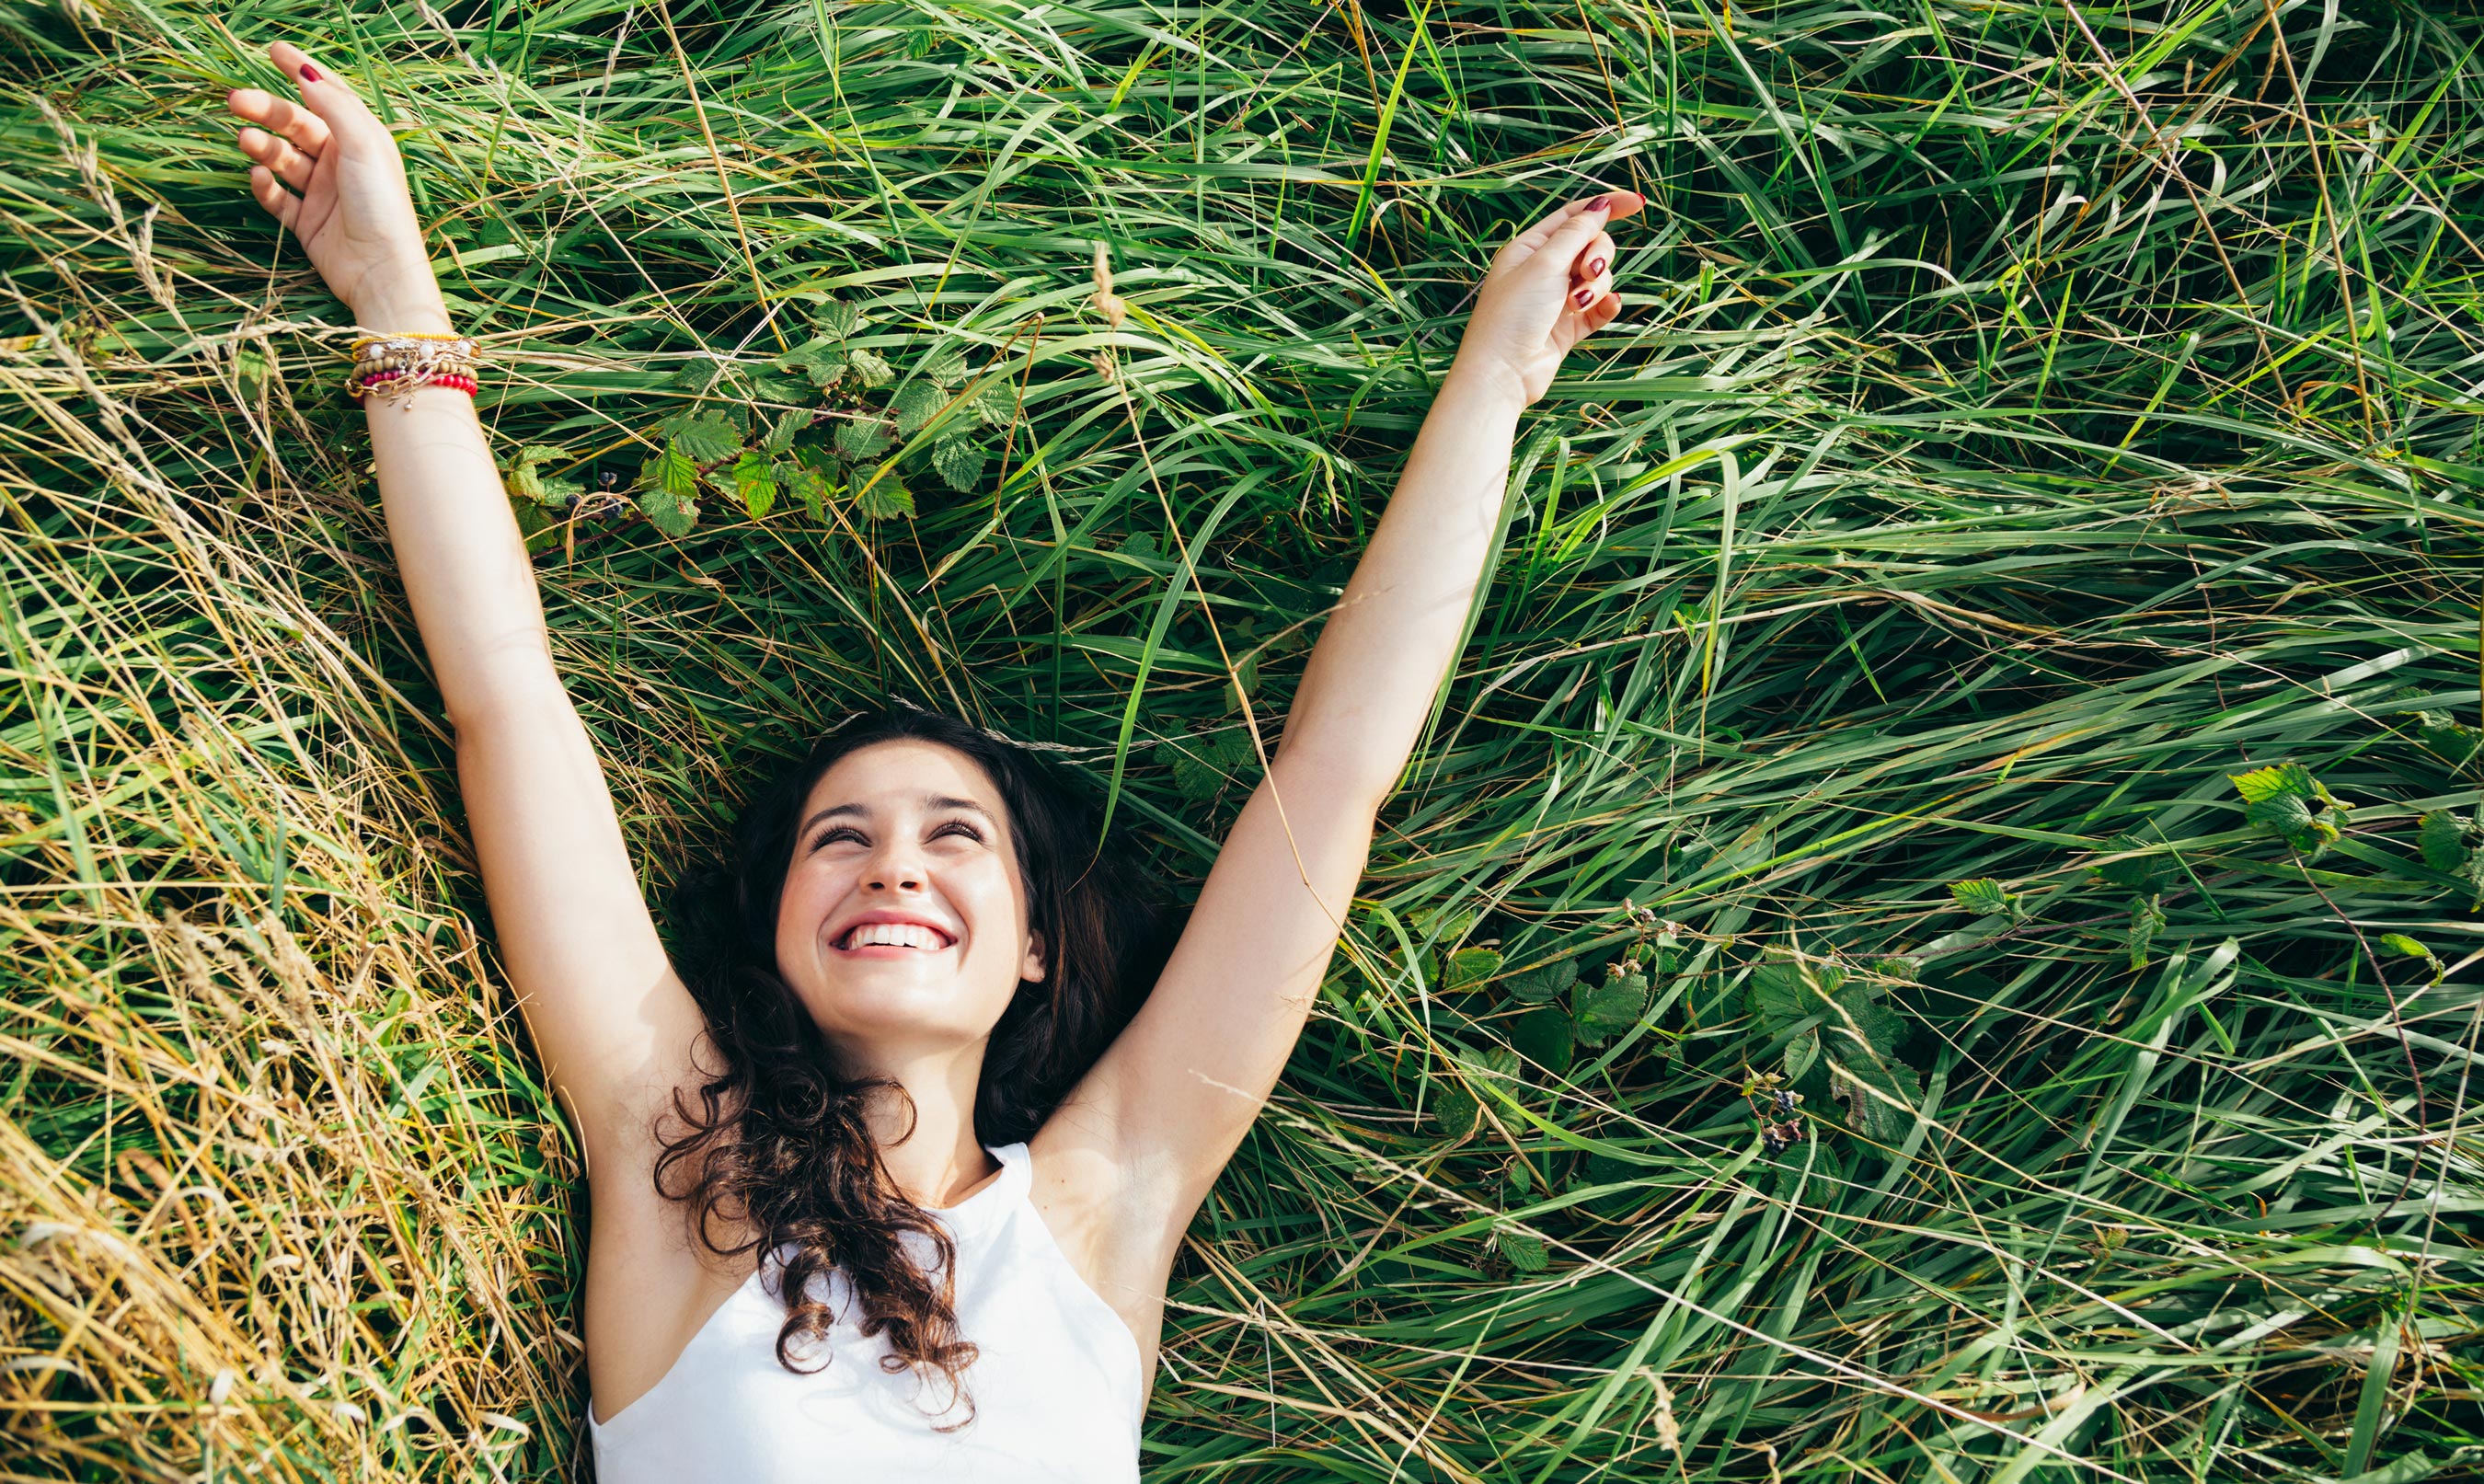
1168, 1103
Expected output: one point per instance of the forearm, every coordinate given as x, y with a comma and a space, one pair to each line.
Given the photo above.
1371, 679
458, 545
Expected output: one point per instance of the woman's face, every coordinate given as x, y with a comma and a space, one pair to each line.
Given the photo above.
904, 923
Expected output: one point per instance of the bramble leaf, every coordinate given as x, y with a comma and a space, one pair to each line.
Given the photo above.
1543, 983
884, 498
1469, 968
2147, 920
1545, 1036
960, 463
2279, 780
702, 436
666, 483
1524, 1250
782, 432
752, 480
1985, 896
914, 405
861, 438
837, 319
874, 371
801, 481
2442, 839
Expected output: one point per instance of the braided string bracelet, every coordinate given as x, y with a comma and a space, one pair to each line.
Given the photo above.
398, 365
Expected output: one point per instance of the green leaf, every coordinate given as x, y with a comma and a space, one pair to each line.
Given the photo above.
1524, 1250
801, 481
884, 498
2133, 872
752, 479
699, 374
2442, 839
1469, 968
943, 368
1799, 1054
666, 483
702, 436
2147, 920
1545, 1036
960, 463
1785, 990
823, 361
1888, 1117
2280, 780
1202, 766
836, 320
782, 432
1614, 1003
874, 371
2403, 946
1981, 895
528, 482
914, 405
861, 439
996, 405
1543, 983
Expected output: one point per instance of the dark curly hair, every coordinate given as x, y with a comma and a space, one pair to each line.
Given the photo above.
778, 1140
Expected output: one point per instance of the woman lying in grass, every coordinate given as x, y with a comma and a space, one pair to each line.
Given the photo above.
948, 1102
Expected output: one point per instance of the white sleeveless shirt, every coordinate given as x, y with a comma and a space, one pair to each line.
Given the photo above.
1056, 1386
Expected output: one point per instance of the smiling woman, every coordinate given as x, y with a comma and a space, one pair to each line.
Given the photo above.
918, 1220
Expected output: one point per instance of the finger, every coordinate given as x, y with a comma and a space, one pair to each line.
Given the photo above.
1608, 206
1568, 244
292, 165
338, 106
281, 204
1586, 296
1593, 258
307, 131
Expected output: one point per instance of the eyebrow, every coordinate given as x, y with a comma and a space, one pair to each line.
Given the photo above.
929, 801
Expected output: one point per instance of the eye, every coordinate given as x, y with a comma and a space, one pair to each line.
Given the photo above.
828, 835
962, 827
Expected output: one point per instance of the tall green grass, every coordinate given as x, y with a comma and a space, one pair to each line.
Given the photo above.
1986, 648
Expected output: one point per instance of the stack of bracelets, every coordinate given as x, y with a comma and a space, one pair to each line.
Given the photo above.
396, 365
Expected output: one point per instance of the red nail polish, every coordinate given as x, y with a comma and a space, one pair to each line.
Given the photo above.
1585, 297
1599, 204
310, 73
1596, 267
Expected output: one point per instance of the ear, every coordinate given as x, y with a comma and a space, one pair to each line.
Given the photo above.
1033, 965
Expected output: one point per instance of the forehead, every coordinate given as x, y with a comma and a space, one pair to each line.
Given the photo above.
899, 774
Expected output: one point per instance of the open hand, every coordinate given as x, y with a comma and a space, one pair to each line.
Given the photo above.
330, 171
1547, 290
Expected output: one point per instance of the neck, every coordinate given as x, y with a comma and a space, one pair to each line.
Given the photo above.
938, 1161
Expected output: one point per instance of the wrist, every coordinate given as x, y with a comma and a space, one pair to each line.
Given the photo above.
412, 311
1486, 380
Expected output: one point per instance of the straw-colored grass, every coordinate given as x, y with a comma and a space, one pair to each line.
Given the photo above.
2028, 420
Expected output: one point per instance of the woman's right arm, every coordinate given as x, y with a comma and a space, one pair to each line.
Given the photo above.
610, 1020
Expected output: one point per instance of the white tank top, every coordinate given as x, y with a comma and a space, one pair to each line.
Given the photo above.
1056, 1384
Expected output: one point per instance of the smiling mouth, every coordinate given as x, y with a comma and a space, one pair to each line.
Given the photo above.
901, 937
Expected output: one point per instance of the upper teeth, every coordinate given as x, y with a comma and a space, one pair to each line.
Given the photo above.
897, 934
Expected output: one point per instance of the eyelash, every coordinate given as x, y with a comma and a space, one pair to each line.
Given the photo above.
972, 834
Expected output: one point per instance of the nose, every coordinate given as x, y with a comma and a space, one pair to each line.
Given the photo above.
892, 867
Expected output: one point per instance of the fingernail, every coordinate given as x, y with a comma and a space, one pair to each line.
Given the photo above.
1585, 297
1596, 267
1599, 204
310, 73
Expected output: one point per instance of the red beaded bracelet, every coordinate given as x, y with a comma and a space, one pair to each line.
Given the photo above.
357, 386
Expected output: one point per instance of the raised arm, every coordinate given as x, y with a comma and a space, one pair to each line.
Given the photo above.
610, 1021
1167, 1105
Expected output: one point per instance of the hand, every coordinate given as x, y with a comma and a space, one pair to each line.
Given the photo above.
352, 211
1546, 291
